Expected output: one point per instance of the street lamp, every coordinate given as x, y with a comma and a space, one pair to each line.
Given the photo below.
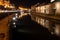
52, 0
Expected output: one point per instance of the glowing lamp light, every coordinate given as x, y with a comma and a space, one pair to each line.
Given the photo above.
16, 14
15, 26
14, 18
14, 23
52, 0
4, 6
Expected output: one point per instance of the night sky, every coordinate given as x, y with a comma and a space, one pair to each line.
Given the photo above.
27, 3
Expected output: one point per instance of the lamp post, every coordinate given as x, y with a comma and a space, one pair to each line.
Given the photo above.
52, 0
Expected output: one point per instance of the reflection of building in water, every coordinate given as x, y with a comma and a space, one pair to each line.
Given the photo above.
42, 22
52, 26
21, 11
47, 23
57, 29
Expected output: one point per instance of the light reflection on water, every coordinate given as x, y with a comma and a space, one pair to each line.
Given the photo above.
53, 27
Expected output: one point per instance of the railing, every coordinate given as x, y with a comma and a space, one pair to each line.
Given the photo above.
6, 11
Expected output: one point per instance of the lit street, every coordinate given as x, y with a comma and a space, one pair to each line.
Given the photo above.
4, 28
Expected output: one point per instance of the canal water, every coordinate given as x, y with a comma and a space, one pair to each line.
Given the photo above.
27, 29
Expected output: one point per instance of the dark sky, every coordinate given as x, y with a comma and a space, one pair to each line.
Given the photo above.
27, 3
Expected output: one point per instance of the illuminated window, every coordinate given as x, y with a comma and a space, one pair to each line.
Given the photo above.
38, 9
47, 9
57, 6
